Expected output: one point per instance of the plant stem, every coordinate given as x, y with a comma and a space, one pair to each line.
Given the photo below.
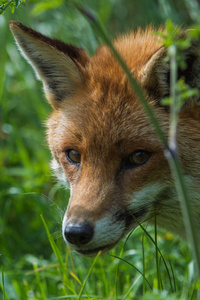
185, 205
88, 274
5, 6
174, 161
172, 141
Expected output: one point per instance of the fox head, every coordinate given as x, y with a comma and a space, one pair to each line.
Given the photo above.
103, 144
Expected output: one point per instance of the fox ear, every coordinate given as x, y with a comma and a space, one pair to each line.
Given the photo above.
156, 75
59, 65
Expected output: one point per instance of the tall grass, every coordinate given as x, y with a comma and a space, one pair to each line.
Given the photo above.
34, 261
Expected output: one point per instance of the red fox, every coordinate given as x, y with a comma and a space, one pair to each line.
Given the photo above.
102, 142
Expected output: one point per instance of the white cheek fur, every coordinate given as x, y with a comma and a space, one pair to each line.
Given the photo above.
146, 196
58, 171
107, 231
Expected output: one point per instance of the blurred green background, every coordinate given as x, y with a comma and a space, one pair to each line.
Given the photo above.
27, 187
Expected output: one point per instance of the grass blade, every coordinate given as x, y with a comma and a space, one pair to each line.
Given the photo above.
3, 286
58, 255
132, 267
88, 274
156, 248
143, 263
5, 296
53, 245
39, 283
148, 235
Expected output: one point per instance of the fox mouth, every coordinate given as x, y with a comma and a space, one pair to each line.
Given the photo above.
94, 252
133, 217
130, 220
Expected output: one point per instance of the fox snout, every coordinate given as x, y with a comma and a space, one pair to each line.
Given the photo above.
89, 238
77, 233
96, 218
91, 226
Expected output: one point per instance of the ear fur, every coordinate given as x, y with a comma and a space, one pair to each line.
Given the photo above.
156, 75
57, 64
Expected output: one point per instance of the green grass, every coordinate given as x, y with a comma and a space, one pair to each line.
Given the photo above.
34, 261
66, 274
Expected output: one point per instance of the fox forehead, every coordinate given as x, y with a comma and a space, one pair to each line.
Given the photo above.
106, 109
95, 126
135, 48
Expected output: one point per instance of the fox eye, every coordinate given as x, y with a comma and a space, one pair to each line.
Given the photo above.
73, 156
138, 158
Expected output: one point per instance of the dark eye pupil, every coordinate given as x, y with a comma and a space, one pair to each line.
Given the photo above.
139, 157
73, 156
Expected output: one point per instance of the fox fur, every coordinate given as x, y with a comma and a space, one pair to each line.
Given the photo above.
98, 129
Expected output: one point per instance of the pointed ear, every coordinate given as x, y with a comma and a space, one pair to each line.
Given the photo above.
155, 78
60, 66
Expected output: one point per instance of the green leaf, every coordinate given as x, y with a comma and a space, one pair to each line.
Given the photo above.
46, 5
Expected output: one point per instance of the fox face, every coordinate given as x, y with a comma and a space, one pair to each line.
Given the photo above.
102, 142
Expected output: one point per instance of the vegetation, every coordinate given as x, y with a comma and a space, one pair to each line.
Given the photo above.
34, 261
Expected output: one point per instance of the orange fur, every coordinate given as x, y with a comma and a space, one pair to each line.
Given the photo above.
98, 115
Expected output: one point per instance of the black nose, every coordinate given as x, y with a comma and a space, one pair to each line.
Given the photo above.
78, 233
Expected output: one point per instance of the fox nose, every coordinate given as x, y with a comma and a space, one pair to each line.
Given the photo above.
78, 233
